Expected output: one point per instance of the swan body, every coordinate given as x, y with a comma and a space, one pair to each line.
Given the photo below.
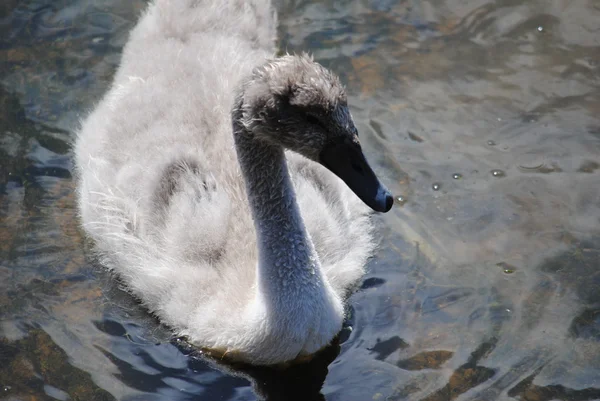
228, 225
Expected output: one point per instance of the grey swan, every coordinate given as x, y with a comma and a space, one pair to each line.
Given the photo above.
226, 187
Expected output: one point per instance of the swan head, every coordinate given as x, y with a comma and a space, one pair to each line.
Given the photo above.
294, 102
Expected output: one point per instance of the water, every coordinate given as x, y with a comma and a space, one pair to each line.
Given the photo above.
486, 289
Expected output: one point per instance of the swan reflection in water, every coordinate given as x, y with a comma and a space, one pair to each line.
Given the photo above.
295, 381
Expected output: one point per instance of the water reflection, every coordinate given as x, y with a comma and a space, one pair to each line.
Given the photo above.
487, 288
35, 366
300, 381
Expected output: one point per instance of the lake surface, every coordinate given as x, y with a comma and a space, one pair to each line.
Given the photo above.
482, 116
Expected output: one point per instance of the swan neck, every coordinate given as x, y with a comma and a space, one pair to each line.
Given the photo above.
286, 255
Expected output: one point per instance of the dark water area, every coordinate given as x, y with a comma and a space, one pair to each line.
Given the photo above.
482, 116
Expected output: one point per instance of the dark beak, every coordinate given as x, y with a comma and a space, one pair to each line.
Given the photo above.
346, 160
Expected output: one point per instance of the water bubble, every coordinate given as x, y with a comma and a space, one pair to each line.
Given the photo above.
506, 268
498, 173
436, 186
401, 200
491, 143
457, 176
499, 119
540, 28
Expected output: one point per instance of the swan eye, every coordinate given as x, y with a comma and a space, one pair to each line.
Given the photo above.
314, 120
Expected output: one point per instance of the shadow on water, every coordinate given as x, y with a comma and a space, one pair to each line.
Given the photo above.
301, 381
482, 116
